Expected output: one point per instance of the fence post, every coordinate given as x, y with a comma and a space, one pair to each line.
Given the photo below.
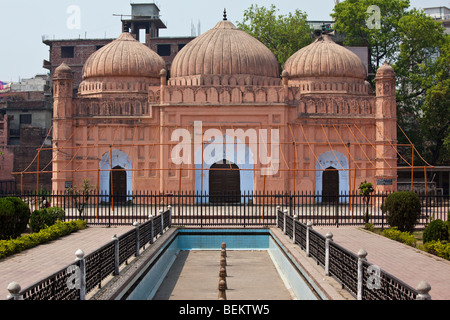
116, 254
329, 237
14, 291
169, 207
423, 288
293, 228
362, 254
136, 230
150, 217
285, 212
80, 257
308, 228
277, 211
161, 211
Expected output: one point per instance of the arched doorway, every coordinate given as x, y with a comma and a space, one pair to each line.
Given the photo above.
324, 179
224, 183
119, 184
330, 184
122, 164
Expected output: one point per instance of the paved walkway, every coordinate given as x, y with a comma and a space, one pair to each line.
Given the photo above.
406, 263
32, 265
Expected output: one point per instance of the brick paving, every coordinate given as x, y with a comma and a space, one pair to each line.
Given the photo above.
29, 266
406, 263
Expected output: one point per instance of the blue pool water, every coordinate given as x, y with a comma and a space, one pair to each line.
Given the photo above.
255, 239
211, 239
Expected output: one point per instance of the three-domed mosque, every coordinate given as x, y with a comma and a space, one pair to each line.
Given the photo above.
223, 118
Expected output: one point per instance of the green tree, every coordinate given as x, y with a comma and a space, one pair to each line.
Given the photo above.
282, 34
365, 190
435, 123
417, 47
81, 196
351, 18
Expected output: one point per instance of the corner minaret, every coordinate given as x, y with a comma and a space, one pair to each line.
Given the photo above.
62, 124
386, 129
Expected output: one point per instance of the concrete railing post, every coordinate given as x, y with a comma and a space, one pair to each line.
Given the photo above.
308, 229
293, 228
14, 291
169, 207
328, 238
80, 257
116, 255
161, 211
278, 212
423, 288
285, 213
362, 254
136, 230
150, 217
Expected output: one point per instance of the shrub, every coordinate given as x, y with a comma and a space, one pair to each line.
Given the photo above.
14, 216
397, 235
436, 230
45, 217
403, 210
59, 229
438, 249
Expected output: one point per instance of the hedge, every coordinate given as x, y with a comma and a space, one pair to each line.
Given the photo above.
14, 216
59, 229
403, 210
397, 235
46, 217
438, 248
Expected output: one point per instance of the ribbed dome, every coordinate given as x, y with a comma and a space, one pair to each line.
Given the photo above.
325, 58
225, 50
125, 56
385, 71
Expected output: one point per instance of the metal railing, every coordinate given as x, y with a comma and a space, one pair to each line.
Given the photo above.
245, 209
79, 278
363, 280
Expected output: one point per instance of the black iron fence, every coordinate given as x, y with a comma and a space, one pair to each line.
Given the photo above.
245, 209
360, 278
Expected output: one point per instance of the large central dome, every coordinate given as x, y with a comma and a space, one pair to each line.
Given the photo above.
225, 50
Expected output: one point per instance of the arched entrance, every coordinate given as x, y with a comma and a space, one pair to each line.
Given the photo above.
121, 175
331, 179
119, 184
330, 184
224, 183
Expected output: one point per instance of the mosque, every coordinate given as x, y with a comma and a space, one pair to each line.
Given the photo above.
224, 118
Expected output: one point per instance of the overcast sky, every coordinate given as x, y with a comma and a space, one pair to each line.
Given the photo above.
24, 22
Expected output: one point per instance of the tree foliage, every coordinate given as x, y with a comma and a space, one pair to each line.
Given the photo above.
418, 49
282, 34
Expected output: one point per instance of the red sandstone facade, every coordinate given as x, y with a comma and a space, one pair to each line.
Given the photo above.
123, 126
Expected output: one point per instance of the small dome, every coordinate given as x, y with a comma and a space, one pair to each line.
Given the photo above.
63, 71
225, 50
125, 56
325, 58
385, 71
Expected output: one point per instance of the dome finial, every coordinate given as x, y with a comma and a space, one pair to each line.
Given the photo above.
224, 14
